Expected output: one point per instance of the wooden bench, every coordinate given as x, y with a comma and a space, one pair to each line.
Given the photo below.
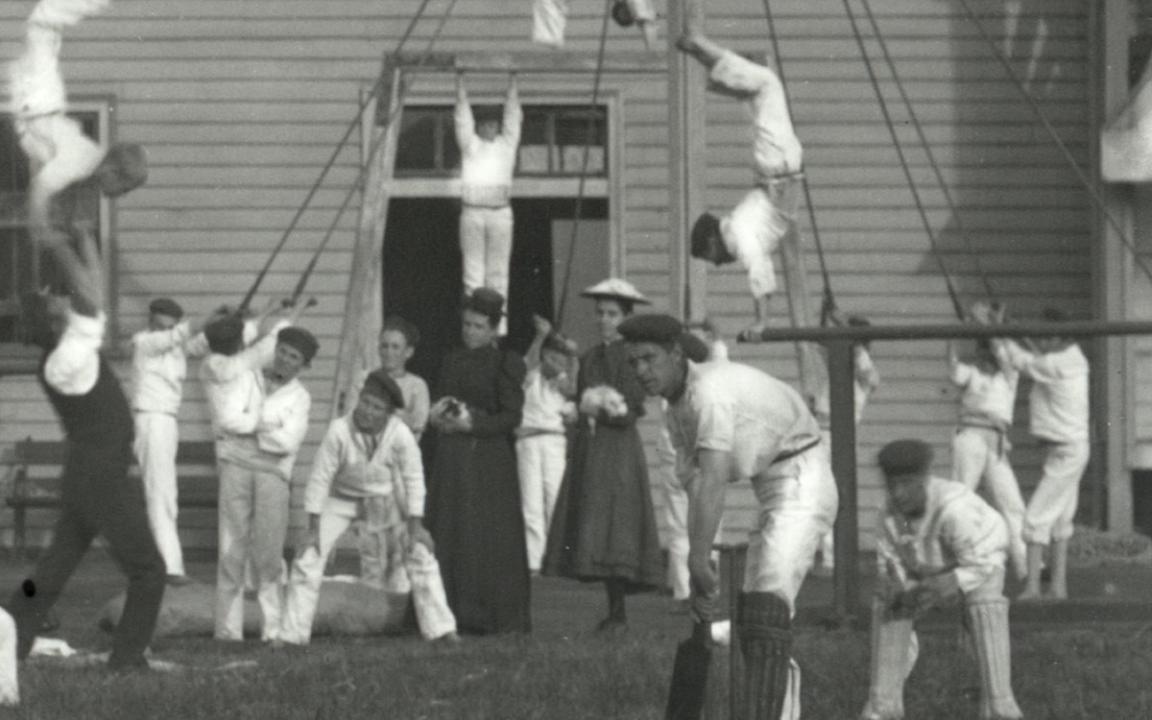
37, 465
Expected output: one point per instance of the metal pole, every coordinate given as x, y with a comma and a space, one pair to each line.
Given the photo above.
1079, 329
842, 396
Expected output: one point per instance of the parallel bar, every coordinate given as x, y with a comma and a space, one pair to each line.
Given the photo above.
529, 61
1089, 328
842, 401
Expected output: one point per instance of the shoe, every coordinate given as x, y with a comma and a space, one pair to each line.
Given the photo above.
448, 638
178, 580
612, 625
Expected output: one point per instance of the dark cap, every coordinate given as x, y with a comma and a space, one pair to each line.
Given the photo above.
905, 457
651, 327
300, 339
380, 384
166, 306
225, 335
486, 301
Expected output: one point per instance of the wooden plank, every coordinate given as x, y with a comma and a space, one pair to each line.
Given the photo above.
526, 62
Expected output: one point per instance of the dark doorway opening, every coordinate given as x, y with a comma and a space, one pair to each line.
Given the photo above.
422, 268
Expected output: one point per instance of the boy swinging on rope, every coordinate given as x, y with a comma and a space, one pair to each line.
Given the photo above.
752, 231
62, 158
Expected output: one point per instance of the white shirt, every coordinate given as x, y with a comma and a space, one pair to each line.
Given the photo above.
283, 423
351, 463
986, 398
1058, 403
233, 385
543, 404
73, 366
486, 167
731, 407
159, 365
958, 533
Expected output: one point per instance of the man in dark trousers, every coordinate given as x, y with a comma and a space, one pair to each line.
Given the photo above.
98, 496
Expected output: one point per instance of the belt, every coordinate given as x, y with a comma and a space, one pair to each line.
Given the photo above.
984, 426
789, 454
766, 181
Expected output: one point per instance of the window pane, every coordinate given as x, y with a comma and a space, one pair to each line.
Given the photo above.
576, 129
534, 141
417, 146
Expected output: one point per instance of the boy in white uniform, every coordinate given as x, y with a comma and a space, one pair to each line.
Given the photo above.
980, 446
369, 466
1058, 408
487, 161
260, 418
159, 364
937, 540
729, 421
754, 228
541, 439
382, 565
9, 683
59, 153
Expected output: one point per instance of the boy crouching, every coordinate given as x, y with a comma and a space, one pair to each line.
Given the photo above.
368, 466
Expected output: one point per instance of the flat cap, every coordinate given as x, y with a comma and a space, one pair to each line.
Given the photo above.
651, 327
300, 339
225, 334
486, 301
166, 306
905, 457
380, 384
616, 289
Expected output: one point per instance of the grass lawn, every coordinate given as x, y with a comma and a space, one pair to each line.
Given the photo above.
562, 671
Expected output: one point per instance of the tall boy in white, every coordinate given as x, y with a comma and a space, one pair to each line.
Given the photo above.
260, 417
754, 228
1058, 409
980, 446
368, 466
159, 364
487, 160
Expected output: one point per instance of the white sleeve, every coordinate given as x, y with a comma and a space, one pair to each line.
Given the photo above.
73, 366
260, 353
157, 342
513, 118
283, 433
410, 467
325, 464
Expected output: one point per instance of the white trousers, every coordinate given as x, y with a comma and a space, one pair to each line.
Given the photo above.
540, 462
1053, 504
486, 245
303, 592
253, 526
675, 515
381, 561
798, 502
156, 440
549, 19
980, 457
9, 684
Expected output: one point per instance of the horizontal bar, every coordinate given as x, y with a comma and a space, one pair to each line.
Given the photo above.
1088, 328
528, 62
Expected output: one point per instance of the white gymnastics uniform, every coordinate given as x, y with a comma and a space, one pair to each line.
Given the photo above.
379, 478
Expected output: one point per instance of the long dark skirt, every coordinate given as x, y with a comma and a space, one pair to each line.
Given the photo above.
476, 521
603, 526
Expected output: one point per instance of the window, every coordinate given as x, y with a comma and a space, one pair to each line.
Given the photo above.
552, 142
22, 269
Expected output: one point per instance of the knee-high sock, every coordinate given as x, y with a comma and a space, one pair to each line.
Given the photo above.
993, 651
765, 623
893, 655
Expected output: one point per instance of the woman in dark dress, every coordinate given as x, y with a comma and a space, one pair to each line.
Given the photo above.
604, 529
473, 492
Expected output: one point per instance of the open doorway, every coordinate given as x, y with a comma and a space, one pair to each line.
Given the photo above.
422, 269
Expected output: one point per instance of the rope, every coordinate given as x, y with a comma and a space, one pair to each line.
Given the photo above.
957, 306
593, 113
829, 298
952, 206
393, 113
1097, 200
375, 91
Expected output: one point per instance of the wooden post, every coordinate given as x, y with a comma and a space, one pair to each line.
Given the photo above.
363, 307
1113, 398
842, 396
687, 152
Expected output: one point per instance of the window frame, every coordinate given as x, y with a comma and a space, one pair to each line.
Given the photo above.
17, 358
